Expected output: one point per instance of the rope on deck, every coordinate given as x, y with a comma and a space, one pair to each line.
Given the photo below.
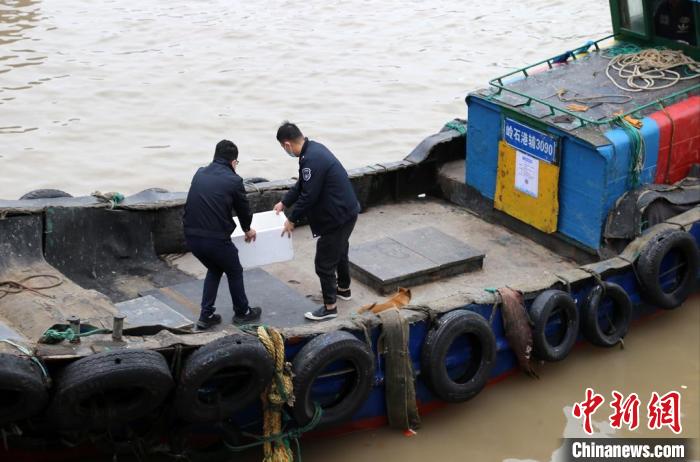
647, 69
57, 335
15, 287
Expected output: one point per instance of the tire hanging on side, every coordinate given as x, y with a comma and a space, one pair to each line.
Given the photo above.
109, 388
23, 389
650, 268
314, 358
44, 194
618, 318
436, 348
548, 304
221, 378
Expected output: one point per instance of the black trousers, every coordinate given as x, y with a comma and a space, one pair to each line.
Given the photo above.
332, 265
219, 256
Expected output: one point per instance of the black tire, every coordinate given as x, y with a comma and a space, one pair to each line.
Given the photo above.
45, 194
23, 389
649, 268
110, 388
155, 190
234, 370
619, 318
548, 304
255, 180
437, 345
313, 359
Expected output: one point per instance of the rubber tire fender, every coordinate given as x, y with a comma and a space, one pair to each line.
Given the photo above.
142, 376
23, 388
239, 352
542, 308
437, 344
45, 194
622, 306
255, 180
649, 266
314, 358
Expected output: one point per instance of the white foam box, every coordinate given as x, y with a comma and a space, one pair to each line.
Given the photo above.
269, 246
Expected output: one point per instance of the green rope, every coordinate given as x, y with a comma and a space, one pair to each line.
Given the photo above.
637, 148
456, 125
27, 352
622, 48
114, 198
285, 437
56, 335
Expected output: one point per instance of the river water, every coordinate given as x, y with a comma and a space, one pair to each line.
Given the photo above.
122, 96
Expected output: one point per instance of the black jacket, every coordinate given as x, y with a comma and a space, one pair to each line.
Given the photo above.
216, 191
323, 192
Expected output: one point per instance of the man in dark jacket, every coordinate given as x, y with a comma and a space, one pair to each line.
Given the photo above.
324, 195
217, 191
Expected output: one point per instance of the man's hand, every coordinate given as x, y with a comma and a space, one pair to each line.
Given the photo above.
279, 207
250, 235
288, 229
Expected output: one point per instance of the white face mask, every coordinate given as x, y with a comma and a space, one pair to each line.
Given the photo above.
289, 153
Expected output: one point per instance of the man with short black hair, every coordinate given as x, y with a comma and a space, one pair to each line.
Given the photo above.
323, 193
216, 191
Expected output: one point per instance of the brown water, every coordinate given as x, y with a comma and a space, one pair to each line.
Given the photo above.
522, 420
115, 95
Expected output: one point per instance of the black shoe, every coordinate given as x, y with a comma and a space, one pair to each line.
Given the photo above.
344, 294
253, 314
321, 314
205, 322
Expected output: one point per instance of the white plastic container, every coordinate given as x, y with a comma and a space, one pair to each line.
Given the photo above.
269, 246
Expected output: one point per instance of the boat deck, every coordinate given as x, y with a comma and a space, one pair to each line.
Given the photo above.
584, 77
509, 257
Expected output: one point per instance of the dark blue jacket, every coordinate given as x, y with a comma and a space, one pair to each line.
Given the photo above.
323, 192
216, 191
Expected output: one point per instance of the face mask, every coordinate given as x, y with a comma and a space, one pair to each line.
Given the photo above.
289, 153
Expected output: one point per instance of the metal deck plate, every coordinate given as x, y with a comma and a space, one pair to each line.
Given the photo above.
412, 257
149, 311
281, 305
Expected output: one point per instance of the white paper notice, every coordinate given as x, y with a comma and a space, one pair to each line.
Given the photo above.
527, 170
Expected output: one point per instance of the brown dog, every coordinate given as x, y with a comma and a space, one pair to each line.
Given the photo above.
398, 300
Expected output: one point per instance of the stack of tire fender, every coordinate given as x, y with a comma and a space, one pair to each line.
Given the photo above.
228, 374
666, 270
209, 391
603, 318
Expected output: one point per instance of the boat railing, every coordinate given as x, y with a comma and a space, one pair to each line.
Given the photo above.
499, 83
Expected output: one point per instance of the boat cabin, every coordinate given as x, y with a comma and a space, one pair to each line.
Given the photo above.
669, 23
557, 143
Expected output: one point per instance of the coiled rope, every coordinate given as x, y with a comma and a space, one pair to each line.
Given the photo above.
277, 443
278, 393
53, 335
649, 69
